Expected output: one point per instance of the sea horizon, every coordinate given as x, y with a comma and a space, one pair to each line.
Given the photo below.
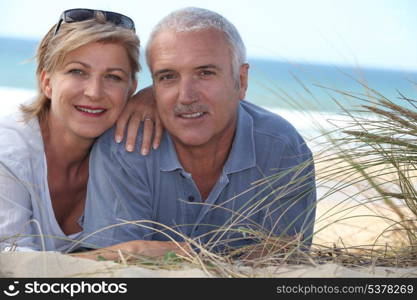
268, 77
302, 93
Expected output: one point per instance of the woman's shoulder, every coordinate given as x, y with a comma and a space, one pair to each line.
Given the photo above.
20, 139
15, 126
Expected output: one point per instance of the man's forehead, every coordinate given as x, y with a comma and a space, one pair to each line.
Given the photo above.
174, 35
192, 48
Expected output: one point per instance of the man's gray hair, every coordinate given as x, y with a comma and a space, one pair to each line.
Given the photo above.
195, 19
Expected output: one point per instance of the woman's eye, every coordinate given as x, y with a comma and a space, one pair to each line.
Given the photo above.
114, 77
76, 72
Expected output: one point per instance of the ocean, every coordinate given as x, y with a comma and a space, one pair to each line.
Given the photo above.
300, 92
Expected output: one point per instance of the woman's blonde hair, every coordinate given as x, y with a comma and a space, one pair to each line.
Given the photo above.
53, 49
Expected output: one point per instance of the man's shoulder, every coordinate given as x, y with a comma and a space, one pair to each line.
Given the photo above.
106, 147
106, 140
269, 125
276, 142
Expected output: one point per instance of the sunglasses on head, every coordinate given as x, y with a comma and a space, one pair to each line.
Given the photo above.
83, 14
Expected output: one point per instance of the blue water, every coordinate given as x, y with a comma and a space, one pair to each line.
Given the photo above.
273, 84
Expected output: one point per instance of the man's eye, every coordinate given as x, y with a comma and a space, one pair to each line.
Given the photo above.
206, 73
166, 77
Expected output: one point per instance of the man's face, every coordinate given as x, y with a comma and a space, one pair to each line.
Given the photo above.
196, 93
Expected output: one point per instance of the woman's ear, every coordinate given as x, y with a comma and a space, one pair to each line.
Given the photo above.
46, 84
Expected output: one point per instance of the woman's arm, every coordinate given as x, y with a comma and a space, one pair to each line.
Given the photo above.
140, 108
15, 213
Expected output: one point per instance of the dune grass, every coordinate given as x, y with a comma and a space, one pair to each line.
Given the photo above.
376, 152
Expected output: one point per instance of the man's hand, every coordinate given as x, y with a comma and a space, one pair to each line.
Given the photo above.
140, 108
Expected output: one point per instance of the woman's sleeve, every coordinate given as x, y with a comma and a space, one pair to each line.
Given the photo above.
15, 213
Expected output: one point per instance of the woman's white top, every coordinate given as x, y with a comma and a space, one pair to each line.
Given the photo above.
27, 219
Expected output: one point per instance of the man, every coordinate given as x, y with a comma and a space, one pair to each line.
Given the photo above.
225, 167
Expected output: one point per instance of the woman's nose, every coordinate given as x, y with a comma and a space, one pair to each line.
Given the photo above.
94, 88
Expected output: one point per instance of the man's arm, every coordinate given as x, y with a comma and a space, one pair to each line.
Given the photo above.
120, 190
288, 207
293, 199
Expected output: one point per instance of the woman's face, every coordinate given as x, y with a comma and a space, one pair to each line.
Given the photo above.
89, 90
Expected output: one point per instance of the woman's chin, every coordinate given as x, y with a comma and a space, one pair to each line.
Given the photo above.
91, 133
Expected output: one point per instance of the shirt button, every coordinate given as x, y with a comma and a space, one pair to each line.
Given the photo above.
191, 198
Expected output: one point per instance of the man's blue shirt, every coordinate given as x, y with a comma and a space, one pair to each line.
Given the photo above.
267, 184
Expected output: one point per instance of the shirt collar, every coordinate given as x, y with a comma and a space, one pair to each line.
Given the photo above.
169, 158
241, 156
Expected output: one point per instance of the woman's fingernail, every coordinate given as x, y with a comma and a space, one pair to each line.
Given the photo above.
144, 152
129, 148
118, 139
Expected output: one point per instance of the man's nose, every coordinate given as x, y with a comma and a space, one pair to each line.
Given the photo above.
94, 88
187, 91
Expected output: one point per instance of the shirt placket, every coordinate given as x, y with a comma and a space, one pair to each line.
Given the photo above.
213, 199
191, 202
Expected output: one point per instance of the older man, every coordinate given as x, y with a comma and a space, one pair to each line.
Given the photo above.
226, 168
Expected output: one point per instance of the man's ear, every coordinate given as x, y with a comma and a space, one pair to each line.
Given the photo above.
46, 84
243, 77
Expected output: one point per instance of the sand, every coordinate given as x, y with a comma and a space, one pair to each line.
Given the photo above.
351, 223
53, 264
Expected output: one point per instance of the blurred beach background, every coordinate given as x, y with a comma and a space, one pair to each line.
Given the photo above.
298, 51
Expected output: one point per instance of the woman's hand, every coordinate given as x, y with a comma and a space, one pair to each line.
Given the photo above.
140, 108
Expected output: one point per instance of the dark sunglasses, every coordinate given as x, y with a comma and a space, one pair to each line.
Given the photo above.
83, 14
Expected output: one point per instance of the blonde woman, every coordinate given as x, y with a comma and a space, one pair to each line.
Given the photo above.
86, 72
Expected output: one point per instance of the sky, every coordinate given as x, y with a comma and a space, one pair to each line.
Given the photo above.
365, 33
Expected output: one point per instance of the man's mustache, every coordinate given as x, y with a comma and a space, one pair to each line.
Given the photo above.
191, 108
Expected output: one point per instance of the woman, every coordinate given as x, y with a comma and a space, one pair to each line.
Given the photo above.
86, 72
